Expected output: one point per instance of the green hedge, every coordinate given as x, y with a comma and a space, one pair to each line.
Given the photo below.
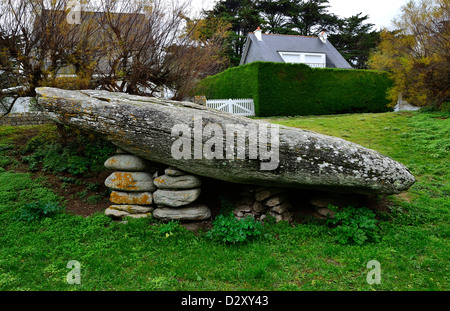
280, 89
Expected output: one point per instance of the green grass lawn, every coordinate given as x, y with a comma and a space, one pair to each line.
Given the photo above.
413, 251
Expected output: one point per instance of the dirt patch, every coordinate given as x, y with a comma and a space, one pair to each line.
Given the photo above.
21, 138
404, 196
78, 199
83, 194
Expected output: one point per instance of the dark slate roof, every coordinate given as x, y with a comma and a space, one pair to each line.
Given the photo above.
267, 49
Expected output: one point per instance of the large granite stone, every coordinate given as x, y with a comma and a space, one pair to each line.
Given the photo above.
155, 129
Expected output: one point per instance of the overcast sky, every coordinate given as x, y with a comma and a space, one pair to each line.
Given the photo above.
381, 12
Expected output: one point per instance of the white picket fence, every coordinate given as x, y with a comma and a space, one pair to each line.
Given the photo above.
239, 106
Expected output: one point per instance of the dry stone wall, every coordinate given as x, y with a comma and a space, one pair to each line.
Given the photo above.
285, 204
138, 192
176, 197
25, 118
258, 202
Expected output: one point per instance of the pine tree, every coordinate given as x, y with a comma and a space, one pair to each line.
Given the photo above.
355, 40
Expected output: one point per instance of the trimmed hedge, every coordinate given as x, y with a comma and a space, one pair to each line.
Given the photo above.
280, 89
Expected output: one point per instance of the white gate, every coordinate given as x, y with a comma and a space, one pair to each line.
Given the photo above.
240, 107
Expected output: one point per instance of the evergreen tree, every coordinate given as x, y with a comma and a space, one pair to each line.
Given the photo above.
355, 40
309, 18
244, 17
276, 15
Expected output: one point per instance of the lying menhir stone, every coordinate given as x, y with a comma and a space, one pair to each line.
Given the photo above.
201, 141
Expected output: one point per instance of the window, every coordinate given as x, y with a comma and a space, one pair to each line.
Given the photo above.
311, 59
291, 57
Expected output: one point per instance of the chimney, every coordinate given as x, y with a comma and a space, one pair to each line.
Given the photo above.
258, 34
323, 37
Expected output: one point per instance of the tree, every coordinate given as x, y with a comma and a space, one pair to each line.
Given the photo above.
134, 46
291, 17
275, 15
243, 16
146, 51
417, 53
355, 40
37, 42
203, 57
309, 18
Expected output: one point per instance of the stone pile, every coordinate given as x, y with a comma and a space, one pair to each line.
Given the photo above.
132, 186
260, 201
321, 203
176, 196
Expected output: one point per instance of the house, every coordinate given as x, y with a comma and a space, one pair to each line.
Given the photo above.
91, 31
316, 52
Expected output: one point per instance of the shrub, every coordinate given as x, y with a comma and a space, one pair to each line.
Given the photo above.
69, 83
228, 229
94, 199
38, 210
77, 157
355, 225
169, 228
4, 147
5, 160
280, 89
92, 186
226, 205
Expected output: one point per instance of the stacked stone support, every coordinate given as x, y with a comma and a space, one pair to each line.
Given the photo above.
321, 203
131, 186
262, 201
176, 197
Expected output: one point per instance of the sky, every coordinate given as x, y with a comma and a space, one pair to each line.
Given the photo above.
381, 12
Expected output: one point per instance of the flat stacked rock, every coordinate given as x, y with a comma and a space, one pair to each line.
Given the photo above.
261, 201
176, 196
131, 186
321, 203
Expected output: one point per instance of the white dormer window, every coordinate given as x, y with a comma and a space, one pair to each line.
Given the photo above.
315, 60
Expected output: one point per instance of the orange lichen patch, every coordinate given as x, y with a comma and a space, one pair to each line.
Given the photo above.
130, 198
160, 180
111, 161
117, 198
133, 116
144, 199
124, 180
